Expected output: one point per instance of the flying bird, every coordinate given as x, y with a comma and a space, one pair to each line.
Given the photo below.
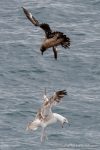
52, 38
45, 116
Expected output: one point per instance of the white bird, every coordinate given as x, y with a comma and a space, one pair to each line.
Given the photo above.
45, 116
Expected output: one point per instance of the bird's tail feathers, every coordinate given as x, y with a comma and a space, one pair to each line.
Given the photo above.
66, 42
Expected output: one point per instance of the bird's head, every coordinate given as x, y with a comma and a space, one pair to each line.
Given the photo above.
61, 119
42, 49
65, 120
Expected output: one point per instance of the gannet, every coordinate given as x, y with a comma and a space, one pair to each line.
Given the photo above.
45, 116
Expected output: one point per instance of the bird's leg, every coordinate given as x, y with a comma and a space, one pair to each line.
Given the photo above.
55, 52
43, 135
46, 136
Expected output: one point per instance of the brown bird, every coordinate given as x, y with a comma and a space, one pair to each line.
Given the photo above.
52, 38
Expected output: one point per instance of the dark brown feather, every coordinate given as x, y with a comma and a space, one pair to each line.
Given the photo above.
32, 19
58, 96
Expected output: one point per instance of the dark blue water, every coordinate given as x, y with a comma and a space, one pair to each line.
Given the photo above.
24, 73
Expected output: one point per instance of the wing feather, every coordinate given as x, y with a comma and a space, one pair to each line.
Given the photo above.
45, 112
56, 98
30, 17
46, 29
34, 21
47, 105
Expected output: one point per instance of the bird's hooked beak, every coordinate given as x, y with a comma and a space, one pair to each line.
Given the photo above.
42, 49
65, 121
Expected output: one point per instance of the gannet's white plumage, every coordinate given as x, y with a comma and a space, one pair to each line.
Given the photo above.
45, 116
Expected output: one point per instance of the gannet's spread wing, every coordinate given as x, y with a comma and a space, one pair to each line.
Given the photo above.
45, 111
43, 26
56, 98
49, 102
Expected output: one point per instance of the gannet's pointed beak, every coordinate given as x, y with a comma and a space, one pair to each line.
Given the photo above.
65, 121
